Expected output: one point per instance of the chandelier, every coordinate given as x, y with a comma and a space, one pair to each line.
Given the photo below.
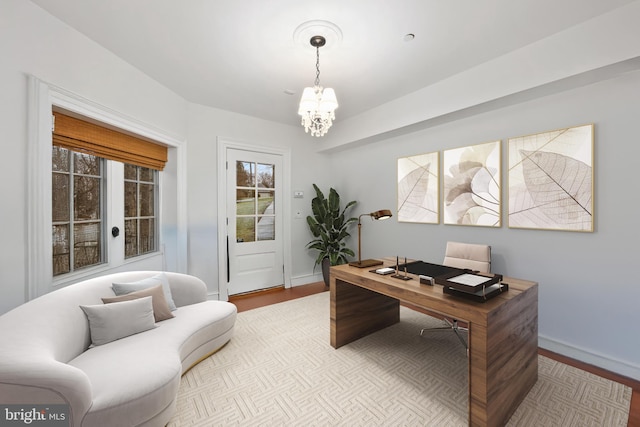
318, 104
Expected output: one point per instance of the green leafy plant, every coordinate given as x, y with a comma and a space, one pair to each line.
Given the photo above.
329, 227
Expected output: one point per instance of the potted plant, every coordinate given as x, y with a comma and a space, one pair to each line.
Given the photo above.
329, 226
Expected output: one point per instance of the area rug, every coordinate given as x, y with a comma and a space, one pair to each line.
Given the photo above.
279, 370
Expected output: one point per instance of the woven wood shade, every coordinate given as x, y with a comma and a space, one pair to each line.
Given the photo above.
82, 136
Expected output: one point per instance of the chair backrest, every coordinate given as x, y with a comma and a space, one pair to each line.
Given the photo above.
468, 255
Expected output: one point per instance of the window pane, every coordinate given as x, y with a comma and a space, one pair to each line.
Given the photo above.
130, 238
86, 198
147, 236
146, 200
146, 175
266, 222
245, 202
130, 199
245, 229
61, 259
266, 228
245, 174
60, 197
265, 202
86, 164
60, 159
266, 175
130, 172
86, 246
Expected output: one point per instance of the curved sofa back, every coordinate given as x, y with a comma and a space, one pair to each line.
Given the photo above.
55, 327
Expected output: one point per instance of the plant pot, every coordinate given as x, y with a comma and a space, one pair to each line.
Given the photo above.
326, 265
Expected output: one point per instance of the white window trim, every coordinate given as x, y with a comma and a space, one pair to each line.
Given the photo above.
42, 97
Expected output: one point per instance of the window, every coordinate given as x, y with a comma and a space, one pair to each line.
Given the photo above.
77, 210
140, 207
255, 197
83, 154
45, 99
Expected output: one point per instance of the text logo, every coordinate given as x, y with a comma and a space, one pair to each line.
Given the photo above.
35, 415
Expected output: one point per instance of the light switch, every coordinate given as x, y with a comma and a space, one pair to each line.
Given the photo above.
298, 194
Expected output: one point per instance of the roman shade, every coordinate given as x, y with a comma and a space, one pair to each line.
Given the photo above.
79, 135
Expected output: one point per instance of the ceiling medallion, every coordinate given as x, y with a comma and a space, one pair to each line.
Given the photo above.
330, 31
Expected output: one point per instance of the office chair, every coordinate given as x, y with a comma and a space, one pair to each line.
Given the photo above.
466, 256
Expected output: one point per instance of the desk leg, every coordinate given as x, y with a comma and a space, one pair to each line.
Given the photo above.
503, 360
357, 312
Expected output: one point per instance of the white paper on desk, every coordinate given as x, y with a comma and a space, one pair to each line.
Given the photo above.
469, 279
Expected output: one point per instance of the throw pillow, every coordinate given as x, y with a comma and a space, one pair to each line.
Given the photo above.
158, 279
110, 322
161, 310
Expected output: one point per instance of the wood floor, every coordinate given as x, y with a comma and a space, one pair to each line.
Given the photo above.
280, 294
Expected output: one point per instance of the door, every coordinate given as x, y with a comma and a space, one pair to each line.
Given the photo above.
254, 221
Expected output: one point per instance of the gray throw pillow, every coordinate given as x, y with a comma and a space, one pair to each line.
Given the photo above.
158, 279
110, 322
161, 309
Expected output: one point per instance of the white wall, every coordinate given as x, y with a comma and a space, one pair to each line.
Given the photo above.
589, 292
34, 43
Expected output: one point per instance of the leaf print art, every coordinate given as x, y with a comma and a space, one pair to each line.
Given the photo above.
472, 185
418, 188
551, 180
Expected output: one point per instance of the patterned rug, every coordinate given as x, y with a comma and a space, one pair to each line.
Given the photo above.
279, 370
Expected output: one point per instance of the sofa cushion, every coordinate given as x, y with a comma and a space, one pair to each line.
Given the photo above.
161, 309
145, 380
133, 379
158, 279
110, 322
210, 323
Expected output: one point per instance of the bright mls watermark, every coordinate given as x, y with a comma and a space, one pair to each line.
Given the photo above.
35, 415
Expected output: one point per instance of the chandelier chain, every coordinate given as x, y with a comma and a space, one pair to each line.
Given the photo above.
317, 83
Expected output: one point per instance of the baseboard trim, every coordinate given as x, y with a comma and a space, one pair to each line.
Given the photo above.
306, 279
295, 281
616, 366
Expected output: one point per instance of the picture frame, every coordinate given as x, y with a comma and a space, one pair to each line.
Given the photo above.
418, 188
550, 180
472, 186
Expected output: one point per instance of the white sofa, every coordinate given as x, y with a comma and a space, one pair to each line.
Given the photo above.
47, 356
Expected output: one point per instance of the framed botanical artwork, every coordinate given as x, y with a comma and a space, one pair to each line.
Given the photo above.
472, 185
418, 185
551, 180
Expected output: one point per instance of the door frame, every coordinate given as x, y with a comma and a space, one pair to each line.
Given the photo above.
227, 143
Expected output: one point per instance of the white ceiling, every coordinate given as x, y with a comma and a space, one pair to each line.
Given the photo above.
241, 56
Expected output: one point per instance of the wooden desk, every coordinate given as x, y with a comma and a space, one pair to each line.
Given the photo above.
503, 332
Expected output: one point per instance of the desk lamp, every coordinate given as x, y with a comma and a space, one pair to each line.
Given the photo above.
382, 214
